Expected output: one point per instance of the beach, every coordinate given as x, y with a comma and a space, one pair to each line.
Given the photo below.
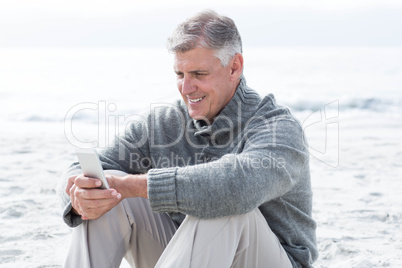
349, 103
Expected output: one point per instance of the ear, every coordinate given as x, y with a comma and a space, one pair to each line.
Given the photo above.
236, 66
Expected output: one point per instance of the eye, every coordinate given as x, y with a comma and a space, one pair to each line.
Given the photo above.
199, 75
179, 75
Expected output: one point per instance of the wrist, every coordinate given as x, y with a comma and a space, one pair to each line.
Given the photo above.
132, 186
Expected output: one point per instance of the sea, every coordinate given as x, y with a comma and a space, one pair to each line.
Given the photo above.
46, 85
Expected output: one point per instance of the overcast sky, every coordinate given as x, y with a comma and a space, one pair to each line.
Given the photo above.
145, 23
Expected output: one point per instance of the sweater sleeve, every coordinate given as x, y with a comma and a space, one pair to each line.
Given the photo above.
69, 218
267, 167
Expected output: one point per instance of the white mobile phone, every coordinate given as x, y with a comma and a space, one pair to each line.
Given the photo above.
91, 165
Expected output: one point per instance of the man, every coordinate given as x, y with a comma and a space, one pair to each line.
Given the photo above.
219, 179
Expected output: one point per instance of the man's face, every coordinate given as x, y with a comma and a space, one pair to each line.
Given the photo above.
205, 86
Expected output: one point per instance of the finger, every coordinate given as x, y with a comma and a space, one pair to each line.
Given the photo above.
86, 182
110, 180
94, 209
70, 182
98, 204
71, 194
96, 194
74, 204
93, 203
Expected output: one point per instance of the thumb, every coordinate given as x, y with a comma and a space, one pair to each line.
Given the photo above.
110, 180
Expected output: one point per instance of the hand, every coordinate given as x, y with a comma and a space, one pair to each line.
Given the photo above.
88, 200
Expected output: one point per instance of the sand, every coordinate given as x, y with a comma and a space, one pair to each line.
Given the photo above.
357, 200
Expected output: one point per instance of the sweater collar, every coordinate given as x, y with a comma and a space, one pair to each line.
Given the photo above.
234, 114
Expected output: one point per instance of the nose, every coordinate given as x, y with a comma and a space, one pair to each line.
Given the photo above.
187, 85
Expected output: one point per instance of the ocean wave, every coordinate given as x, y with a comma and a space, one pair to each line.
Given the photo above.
342, 104
345, 104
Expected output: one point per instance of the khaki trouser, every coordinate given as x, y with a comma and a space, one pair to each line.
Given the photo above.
146, 239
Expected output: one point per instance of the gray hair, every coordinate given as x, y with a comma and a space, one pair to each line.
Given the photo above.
208, 30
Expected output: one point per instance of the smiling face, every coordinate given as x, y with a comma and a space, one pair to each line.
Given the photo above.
205, 86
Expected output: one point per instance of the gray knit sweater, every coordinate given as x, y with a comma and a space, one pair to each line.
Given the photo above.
253, 155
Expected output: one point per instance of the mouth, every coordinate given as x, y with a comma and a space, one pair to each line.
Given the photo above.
196, 100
